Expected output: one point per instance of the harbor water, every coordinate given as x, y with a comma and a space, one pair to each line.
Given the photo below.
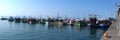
25, 31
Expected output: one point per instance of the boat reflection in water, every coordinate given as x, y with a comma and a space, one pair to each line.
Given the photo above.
25, 31
77, 32
93, 33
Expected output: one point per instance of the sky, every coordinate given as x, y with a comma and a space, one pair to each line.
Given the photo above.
51, 8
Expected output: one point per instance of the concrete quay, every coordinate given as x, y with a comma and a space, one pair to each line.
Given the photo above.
113, 32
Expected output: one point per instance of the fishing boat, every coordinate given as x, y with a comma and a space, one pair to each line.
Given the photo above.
71, 22
104, 24
93, 19
33, 21
24, 20
83, 23
18, 19
11, 19
3, 18
55, 22
65, 23
77, 22
42, 21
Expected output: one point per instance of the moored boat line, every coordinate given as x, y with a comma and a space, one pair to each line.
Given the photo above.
92, 21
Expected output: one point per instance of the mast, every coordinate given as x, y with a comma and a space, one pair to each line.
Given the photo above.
65, 16
118, 8
118, 17
57, 16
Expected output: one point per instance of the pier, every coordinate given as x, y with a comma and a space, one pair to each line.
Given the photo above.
114, 30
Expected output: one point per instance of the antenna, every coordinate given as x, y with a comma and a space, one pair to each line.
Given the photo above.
118, 7
116, 4
65, 16
57, 15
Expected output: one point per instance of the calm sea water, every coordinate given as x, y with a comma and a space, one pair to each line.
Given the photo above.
24, 31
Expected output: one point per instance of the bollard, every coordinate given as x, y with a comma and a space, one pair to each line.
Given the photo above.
106, 36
